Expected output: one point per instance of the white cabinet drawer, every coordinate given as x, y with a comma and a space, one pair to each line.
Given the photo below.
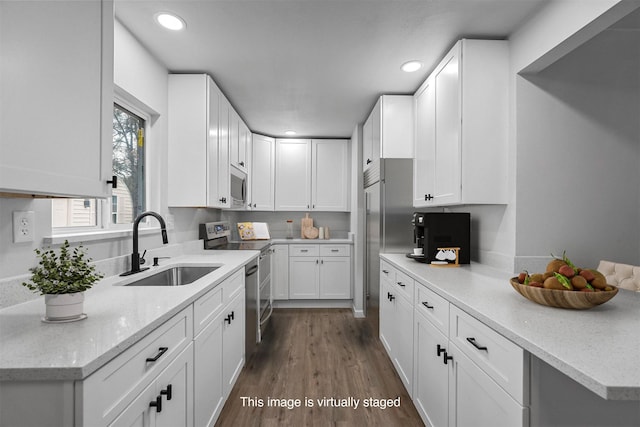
387, 273
206, 308
505, 362
334, 250
304, 250
111, 388
433, 307
403, 283
232, 286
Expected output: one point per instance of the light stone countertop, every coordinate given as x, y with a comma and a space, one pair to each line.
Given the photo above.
598, 347
118, 317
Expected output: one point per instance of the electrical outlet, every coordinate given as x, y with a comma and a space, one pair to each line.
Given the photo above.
23, 226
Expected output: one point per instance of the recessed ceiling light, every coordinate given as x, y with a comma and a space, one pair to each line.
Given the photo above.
411, 66
170, 21
290, 132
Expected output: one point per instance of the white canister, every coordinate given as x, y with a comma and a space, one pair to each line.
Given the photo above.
321, 233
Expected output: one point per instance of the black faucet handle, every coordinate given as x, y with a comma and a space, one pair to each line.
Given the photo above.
142, 260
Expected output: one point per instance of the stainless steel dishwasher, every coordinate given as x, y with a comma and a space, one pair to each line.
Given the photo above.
251, 296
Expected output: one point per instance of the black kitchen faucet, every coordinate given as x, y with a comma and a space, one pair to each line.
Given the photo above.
135, 256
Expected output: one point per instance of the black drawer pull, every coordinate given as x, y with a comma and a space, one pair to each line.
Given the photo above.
401, 284
390, 296
476, 345
156, 404
167, 392
426, 304
446, 357
161, 351
439, 350
385, 271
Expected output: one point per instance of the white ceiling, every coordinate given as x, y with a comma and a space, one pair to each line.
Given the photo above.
315, 66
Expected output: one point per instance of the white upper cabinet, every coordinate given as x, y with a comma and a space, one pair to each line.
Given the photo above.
262, 188
312, 175
198, 142
388, 131
57, 97
461, 124
239, 138
330, 175
293, 174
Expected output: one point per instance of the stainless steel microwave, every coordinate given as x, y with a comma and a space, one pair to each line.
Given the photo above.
238, 188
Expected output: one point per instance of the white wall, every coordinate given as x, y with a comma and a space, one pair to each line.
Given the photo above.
577, 141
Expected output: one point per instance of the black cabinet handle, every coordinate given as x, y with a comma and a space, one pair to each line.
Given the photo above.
385, 271
440, 350
426, 304
401, 284
166, 392
230, 317
473, 342
368, 161
391, 297
161, 351
113, 181
156, 404
428, 197
446, 357
241, 164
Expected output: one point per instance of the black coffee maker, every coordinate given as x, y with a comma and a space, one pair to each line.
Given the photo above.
435, 230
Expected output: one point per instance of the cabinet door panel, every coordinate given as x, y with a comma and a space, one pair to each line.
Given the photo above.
57, 97
387, 324
222, 199
280, 272
476, 400
425, 139
403, 353
233, 343
330, 175
303, 278
262, 174
293, 175
447, 169
431, 387
335, 278
176, 381
208, 393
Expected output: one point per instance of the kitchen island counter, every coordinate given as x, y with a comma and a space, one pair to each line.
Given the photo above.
598, 347
118, 316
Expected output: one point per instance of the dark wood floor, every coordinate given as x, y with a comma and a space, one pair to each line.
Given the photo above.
315, 354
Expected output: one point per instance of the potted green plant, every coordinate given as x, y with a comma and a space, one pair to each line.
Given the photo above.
62, 279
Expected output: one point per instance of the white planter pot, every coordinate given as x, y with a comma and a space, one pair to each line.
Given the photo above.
61, 307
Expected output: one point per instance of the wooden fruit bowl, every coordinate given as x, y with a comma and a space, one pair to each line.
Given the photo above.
563, 299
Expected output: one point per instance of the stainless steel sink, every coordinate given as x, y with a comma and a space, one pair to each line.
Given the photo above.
176, 276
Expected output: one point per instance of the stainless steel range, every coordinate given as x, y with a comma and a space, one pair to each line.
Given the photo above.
257, 281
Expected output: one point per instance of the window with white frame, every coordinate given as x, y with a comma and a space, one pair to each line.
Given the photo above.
129, 198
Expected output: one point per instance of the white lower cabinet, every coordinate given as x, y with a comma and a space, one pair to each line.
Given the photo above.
431, 385
396, 329
319, 271
218, 348
280, 272
233, 342
167, 401
458, 371
179, 374
208, 393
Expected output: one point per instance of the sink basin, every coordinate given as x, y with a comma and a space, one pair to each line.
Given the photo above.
176, 276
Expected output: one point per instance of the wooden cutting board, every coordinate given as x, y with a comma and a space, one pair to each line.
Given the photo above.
307, 222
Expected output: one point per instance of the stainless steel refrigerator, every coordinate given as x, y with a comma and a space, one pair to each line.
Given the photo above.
388, 185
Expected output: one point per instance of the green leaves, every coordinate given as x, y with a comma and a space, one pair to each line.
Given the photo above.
564, 280
66, 273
